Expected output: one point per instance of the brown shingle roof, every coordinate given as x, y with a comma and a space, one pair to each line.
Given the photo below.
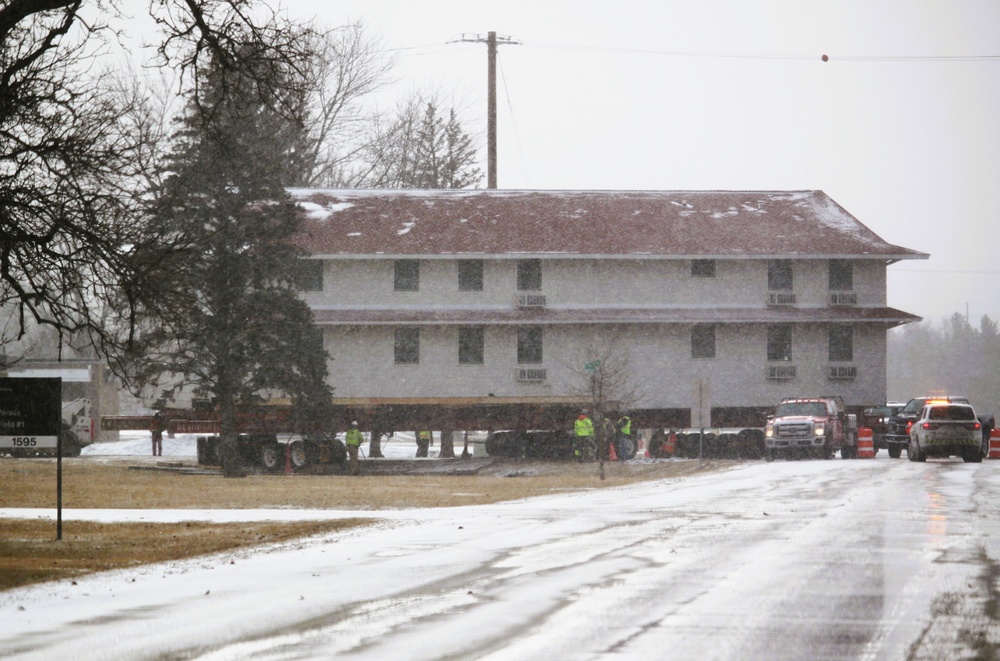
585, 223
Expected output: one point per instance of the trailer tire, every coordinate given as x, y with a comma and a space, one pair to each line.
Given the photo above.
751, 443
272, 457
208, 451
298, 455
627, 447
338, 452
509, 444
687, 446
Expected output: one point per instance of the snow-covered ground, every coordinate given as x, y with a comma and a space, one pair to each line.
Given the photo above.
874, 559
402, 445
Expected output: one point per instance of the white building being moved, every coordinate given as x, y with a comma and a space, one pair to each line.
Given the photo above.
460, 308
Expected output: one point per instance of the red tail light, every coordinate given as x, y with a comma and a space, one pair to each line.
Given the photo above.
930, 425
974, 427
908, 426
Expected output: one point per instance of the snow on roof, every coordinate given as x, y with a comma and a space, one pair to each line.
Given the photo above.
585, 223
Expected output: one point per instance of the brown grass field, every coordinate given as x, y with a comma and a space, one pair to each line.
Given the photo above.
30, 552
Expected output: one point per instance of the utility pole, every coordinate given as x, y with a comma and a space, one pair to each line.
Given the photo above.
492, 41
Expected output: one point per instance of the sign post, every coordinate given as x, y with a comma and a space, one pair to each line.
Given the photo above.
31, 419
702, 414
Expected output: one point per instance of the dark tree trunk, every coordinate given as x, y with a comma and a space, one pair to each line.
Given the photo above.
447, 444
229, 451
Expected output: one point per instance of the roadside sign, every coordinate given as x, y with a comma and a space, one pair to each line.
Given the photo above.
30, 413
701, 409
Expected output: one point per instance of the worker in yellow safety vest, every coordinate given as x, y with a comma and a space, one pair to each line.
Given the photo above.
424, 440
583, 434
624, 432
353, 441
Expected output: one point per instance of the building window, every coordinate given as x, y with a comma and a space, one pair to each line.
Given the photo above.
470, 275
703, 341
779, 342
779, 275
407, 346
529, 345
841, 275
310, 275
471, 342
841, 344
702, 268
529, 275
406, 275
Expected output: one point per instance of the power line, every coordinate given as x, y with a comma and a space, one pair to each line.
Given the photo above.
721, 55
513, 122
945, 271
764, 56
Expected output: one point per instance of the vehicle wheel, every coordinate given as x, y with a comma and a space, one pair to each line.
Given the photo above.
627, 447
272, 456
299, 457
751, 442
709, 446
913, 452
656, 443
895, 452
973, 457
338, 452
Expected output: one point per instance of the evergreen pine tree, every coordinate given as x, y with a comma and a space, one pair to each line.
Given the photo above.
245, 330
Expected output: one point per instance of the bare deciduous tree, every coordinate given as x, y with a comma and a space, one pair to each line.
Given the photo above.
604, 376
414, 147
67, 172
348, 67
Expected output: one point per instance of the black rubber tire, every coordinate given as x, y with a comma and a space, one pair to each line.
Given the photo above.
656, 447
299, 456
751, 443
895, 452
627, 448
272, 457
973, 457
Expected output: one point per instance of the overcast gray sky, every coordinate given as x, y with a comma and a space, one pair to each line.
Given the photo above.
900, 125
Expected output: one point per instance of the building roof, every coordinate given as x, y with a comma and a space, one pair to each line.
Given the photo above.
336, 316
622, 224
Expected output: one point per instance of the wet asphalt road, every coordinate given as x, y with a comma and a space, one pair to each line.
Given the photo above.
865, 559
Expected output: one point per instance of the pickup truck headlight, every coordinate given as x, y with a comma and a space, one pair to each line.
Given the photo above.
769, 431
819, 430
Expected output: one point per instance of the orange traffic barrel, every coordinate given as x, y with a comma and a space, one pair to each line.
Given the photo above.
866, 443
994, 444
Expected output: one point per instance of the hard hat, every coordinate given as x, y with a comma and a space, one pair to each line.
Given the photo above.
354, 423
584, 411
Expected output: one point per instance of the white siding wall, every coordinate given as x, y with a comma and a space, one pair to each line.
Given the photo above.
660, 355
581, 282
